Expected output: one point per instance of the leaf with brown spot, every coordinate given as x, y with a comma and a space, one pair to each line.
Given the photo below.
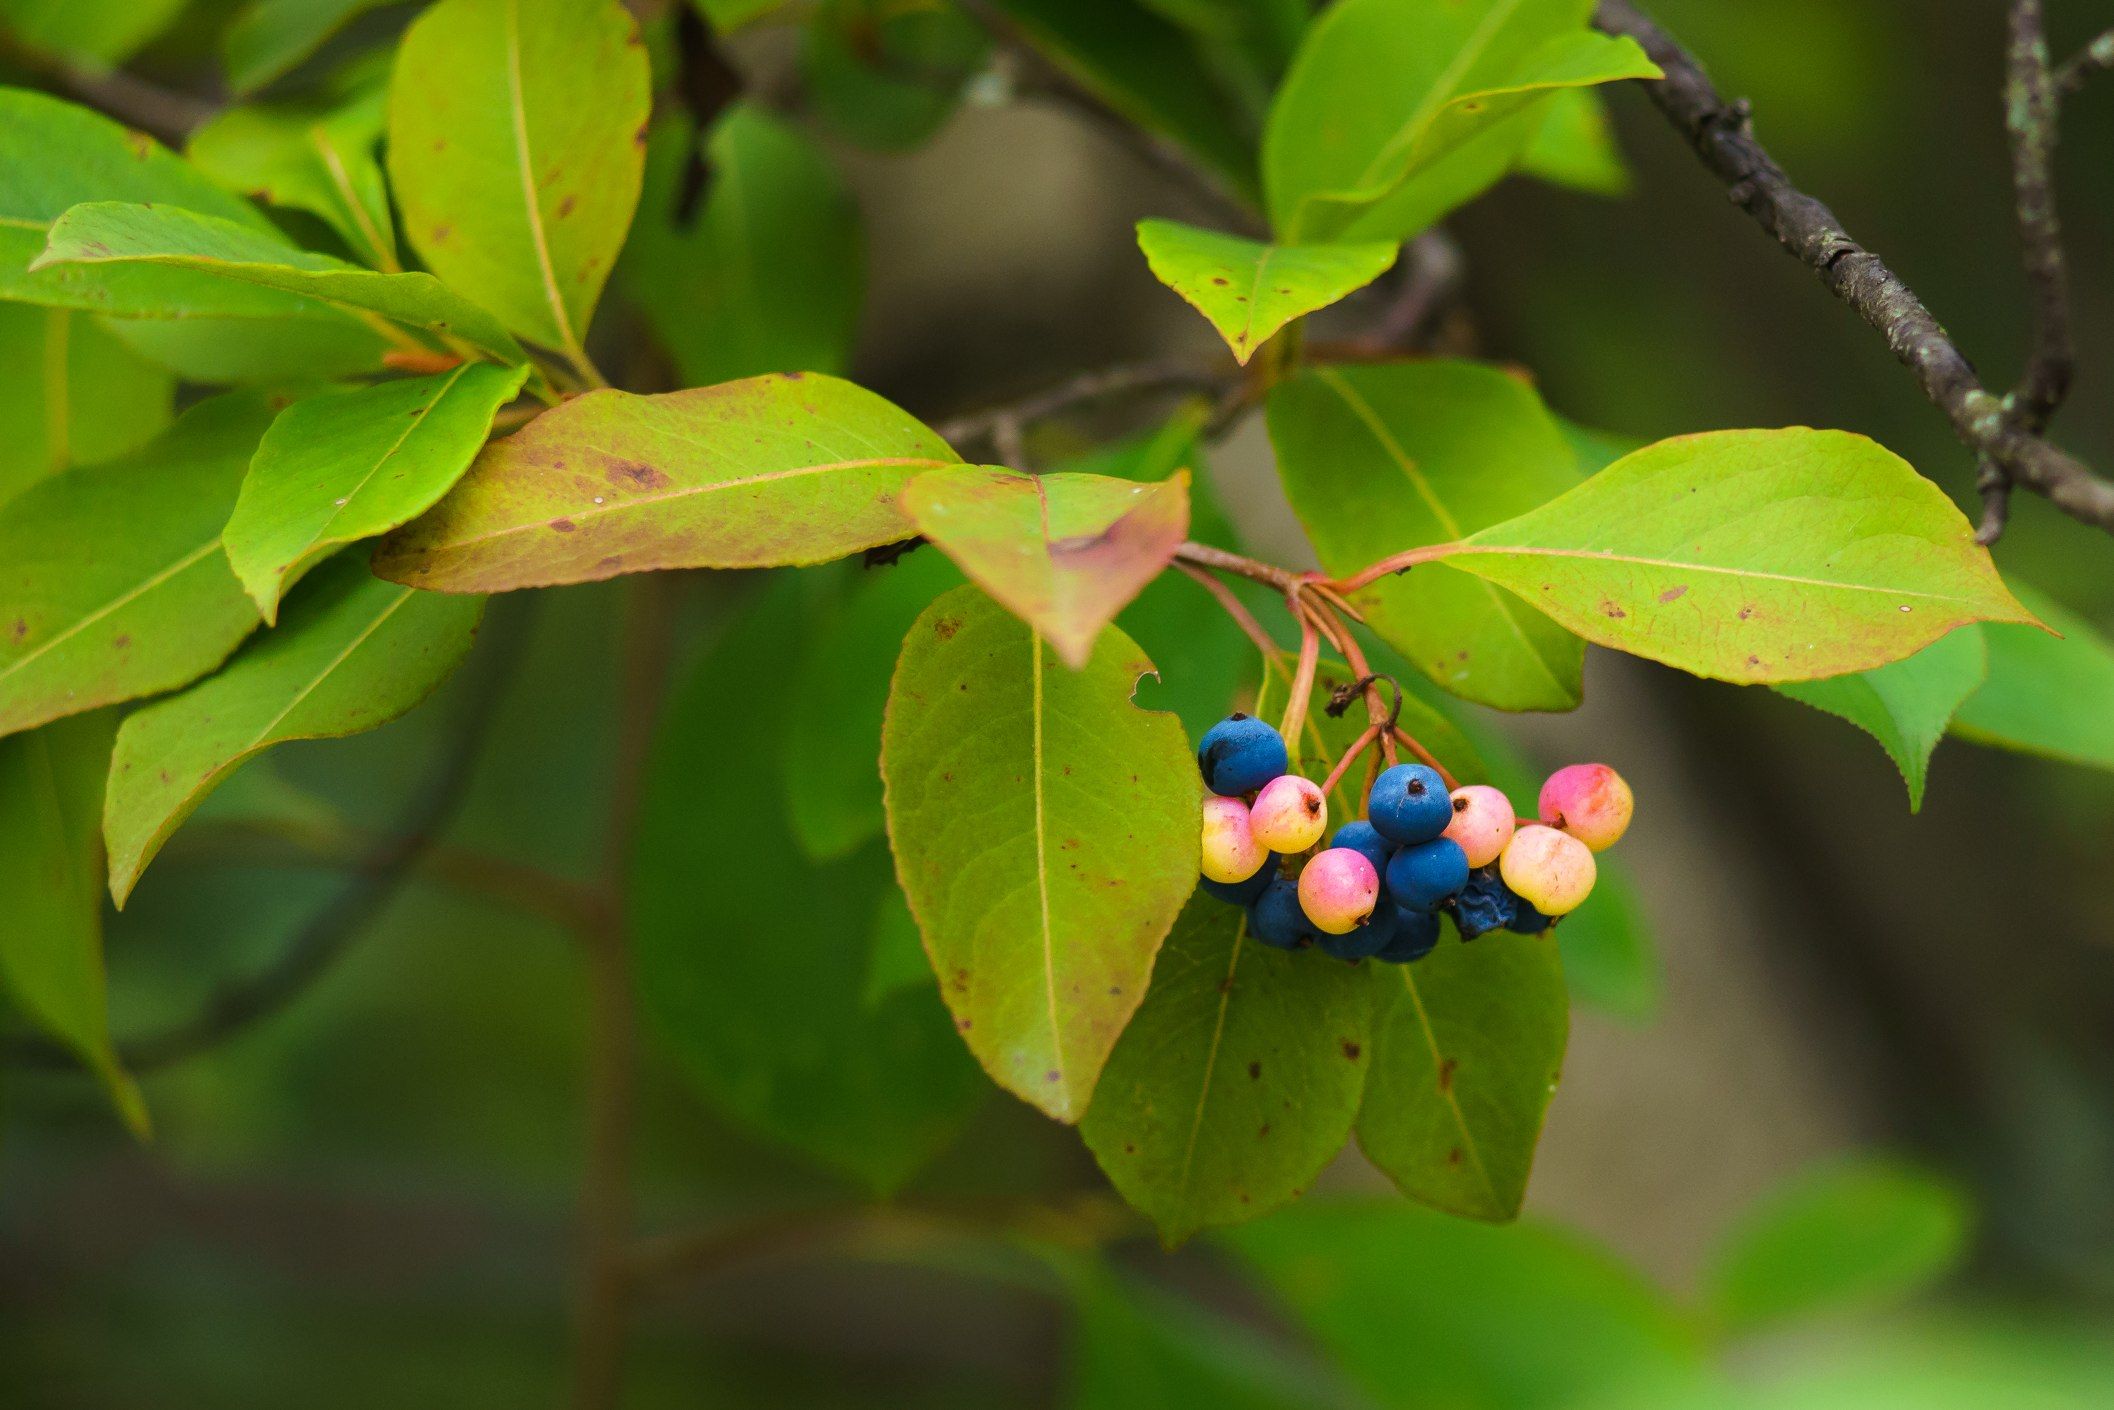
1249, 290
1066, 552
759, 473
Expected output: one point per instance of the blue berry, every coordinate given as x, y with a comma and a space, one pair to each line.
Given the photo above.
1368, 939
1240, 893
1486, 904
1415, 934
1240, 754
1428, 875
1525, 919
1363, 837
1276, 919
1409, 804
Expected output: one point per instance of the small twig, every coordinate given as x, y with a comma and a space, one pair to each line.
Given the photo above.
1095, 385
1350, 756
1235, 608
1432, 269
1203, 555
166, 113
1295, 718
2096, 57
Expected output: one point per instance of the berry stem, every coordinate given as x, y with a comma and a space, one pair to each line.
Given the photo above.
1302, 678
1409, 742
1235, 608
1350, 756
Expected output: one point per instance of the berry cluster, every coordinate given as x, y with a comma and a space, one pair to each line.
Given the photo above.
1376, 891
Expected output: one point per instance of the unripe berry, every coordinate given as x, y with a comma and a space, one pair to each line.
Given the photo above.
1289, 814
1589, 801
1240, 754
1485, 904
1551, 871
1482, 822
1428, 875
1362, 837
1338, 890
1409, 804
1275, 919
1416, 932
1240, 893
1231, 852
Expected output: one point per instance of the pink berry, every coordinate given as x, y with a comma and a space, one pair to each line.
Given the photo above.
1552, 871
1482, 822
1289, 815
1589, 801
1231, 852
1338, 890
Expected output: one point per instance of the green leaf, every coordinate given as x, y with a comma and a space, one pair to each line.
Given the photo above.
1147, 70
517, 132
759, 982
336, 469
1575, 146
1237, 1080
768, 274
319, 158
1752, 556
1383, 458
1046, 834
51, 872
766, 472
105, 233
93, 34
2045, 695
1064, 552
1248, 289
270, 37
1467, 1048
1855, 1234
1906, 704
1397, 111
1137, 1348
89, 616
70, 394
1423, 1310
353, 653
318, 344
840, 691
885, 74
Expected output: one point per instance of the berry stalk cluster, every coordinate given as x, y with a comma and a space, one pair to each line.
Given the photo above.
1378, 889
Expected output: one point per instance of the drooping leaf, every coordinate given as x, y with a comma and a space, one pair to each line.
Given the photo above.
766, 275
1396, 111
1905, 704
1147, 70
1467, 1047
89, 616
760, 982
319, 158
336, 469
312, 345
759, 473
885, 74
1248, 289
1383, 458
1752, 556
353, 653
92, 34
1236, 1081
271, 37
1423, 1310
106, 233
1575, 146
2046, 695
70, 394
51, 872
1045, 831
1066, 552
1859, 1233
833, 712
517, 132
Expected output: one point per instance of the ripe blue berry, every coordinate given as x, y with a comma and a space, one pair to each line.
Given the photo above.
1409, 804
1416, 932
1362, 836
1428, 875
1240, 754
1275, 917
1367, 940
1526, 920
1484, 905
1240, 893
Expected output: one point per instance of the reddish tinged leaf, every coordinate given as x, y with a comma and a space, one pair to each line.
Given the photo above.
1065, 552
765, 472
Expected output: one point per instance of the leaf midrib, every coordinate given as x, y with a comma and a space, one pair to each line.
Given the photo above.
1446, 1090
121, 601
517, 115
1470, 548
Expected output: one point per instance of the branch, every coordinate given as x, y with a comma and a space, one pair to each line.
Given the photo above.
1004, 423
166, 113
1806, 228
2096, 57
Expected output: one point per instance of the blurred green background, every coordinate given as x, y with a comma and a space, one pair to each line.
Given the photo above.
371, 1197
